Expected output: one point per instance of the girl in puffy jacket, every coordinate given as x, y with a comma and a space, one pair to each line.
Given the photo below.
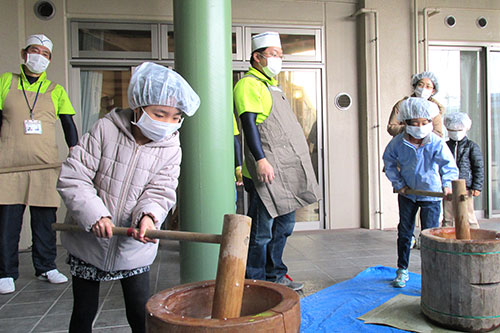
124, 172
469, 161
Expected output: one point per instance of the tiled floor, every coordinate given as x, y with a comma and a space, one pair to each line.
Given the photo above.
318, 258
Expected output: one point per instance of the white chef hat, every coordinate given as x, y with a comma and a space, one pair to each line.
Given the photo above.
266, 39
39, 39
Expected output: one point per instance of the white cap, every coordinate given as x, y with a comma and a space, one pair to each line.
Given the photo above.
266, 39
416, 107
153, 84
457, 121
39, 40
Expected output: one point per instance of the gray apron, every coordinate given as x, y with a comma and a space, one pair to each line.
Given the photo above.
285, 146
29, 164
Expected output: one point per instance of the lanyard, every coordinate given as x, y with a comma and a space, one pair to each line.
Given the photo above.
26, 98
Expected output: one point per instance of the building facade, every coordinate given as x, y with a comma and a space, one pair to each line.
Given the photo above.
347, 62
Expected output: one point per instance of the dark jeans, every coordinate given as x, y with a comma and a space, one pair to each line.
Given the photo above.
44, 249
86, 300
429, 214
267, 239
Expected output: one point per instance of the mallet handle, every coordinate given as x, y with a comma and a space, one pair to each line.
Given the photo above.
161, 234
424, 193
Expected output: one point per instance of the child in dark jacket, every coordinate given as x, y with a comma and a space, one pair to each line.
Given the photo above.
469, 161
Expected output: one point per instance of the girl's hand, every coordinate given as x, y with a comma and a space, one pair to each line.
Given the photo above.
103, 228
476, 193
146, 223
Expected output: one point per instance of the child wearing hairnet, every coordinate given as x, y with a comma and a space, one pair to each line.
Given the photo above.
417, 159
124, 172
470, 164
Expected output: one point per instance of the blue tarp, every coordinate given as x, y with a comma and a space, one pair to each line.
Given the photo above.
336, 308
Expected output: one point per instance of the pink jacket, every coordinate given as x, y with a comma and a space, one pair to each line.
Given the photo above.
109, 174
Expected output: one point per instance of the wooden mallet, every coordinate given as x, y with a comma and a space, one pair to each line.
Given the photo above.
459, 203
234, 241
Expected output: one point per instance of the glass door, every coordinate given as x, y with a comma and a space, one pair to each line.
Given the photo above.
461, 89
102, 91
494, 91
460, 72
302, 87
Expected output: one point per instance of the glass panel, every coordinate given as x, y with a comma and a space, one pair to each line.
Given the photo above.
460, 90
297, 45
171, 42
233, 42
114, 40
494, 86
302, 90
101, 91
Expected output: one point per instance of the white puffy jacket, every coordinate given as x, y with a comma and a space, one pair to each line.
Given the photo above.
109, 174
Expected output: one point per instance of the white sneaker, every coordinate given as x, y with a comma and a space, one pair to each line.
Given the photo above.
7, 285
53, 276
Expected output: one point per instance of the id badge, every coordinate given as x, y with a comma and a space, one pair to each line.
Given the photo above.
32, 127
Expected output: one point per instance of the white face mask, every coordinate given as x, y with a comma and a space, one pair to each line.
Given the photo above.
36, 63
273, 67
419, 132
423, 93
154, 129
457, 135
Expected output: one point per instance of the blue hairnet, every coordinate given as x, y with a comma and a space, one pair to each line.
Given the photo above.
457, 121
153, 84
416, 107
430, 75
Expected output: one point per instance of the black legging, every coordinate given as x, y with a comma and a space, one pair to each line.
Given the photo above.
86, 301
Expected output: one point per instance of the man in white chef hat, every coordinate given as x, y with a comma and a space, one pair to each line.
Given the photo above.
277, 172
30, 105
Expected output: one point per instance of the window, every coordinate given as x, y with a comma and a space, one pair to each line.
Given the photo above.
102, 91
167, 40
300, 44
114, 40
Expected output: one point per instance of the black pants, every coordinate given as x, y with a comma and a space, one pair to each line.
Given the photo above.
86, 301
44, 249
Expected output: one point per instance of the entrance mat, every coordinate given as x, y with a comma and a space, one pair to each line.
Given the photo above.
403, 312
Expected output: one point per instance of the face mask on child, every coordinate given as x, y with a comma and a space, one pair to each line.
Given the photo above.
419, 132
154, 129
423, 92
457, 135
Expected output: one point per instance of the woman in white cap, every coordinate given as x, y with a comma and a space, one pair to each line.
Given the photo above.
30, 105
124, 173
277, 172
425, 85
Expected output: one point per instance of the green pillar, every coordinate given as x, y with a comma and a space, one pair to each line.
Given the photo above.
203, 56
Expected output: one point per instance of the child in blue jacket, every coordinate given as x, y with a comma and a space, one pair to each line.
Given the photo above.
420, 160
